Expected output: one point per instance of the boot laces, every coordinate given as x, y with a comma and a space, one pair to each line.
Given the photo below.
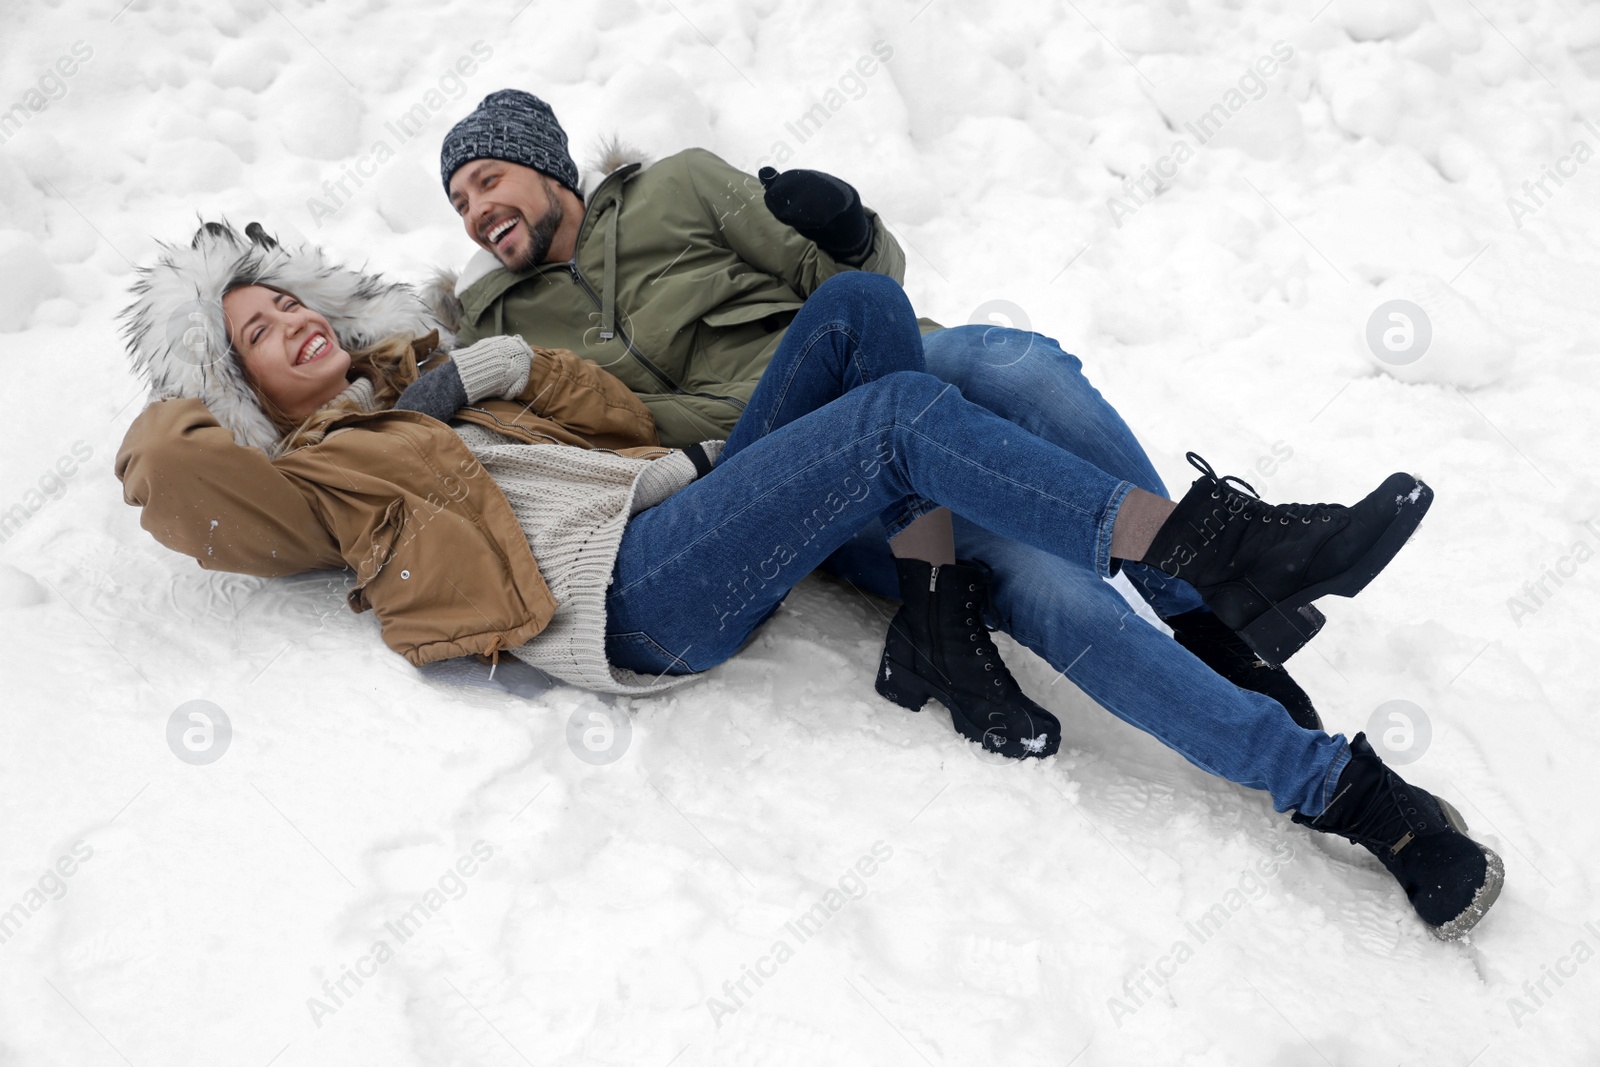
1283, 513
980, 599
1221, 483
977, 600
1287, 513
1390, 819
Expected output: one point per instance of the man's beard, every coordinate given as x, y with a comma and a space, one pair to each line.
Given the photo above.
540, 236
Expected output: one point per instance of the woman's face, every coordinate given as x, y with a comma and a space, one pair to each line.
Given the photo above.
289, 351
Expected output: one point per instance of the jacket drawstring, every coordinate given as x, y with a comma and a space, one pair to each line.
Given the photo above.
608, 290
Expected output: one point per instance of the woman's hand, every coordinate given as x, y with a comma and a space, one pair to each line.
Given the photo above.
494, 367
673, 471
437, 392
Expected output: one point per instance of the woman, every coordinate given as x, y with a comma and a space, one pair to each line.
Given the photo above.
621, 566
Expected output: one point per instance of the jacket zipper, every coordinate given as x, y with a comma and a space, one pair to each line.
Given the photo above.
659, 375
515, 428
655, 372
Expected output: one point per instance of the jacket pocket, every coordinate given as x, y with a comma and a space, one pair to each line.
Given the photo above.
642, 654
380, 549
743, 313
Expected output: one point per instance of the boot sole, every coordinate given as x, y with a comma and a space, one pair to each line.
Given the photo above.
911, 691
1288, 624
1494, 878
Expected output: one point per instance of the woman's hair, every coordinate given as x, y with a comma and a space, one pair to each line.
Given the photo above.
390, 365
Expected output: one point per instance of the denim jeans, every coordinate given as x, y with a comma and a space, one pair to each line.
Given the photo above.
847, 428
1027, 378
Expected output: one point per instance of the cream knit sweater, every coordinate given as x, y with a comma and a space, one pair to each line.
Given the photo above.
572, 504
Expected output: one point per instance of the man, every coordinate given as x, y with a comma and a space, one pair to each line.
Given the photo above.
681, 278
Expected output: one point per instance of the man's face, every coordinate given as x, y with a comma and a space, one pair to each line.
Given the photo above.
509, 209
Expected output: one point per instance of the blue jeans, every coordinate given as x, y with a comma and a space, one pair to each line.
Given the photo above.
847, 427
1027, 378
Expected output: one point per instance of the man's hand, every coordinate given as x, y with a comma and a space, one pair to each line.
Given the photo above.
821, 208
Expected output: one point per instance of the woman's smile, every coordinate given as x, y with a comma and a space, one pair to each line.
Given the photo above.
315, 347
289, 351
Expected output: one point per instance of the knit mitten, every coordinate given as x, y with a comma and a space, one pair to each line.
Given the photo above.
494, 367
711, 450
437, 393
665, 476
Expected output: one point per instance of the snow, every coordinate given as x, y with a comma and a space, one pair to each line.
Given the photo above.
1111, 905
31, 279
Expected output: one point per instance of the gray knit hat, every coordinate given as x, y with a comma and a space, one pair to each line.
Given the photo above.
514, 126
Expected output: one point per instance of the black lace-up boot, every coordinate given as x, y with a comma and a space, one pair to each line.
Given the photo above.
1219, 648
938, 647
1259, 566
1450, 879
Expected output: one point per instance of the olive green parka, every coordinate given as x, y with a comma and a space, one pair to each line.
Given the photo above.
682, 285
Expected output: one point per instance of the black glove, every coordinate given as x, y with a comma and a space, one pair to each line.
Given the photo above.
821, 208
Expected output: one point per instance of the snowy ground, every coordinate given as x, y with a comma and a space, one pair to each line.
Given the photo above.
564, 911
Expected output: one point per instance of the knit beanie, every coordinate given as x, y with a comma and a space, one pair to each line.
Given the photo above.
514, 126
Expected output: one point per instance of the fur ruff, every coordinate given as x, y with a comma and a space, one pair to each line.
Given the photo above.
613, 152
439, 293
178, 339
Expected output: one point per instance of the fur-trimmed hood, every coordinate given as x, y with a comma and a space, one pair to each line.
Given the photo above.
178, 339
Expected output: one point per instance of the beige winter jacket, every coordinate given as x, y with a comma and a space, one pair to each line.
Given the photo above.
396, 495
